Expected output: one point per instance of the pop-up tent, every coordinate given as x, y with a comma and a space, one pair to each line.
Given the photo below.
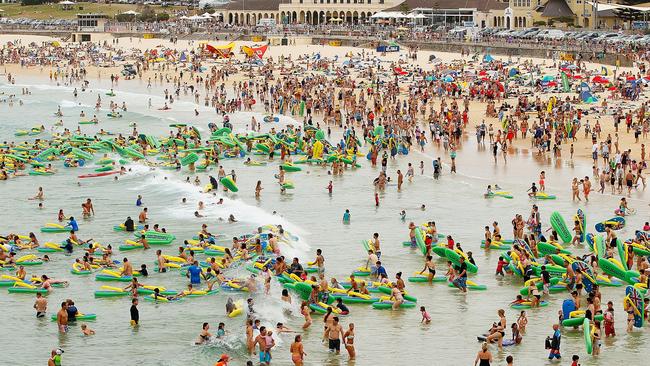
399, 71
488, 58
255, 52
221, 51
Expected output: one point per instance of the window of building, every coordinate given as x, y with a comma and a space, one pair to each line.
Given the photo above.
328, 1
380, 1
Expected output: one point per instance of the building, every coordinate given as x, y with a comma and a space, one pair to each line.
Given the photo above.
573, 13
314, 12
467, 13
510, 14
91, 22
87, 24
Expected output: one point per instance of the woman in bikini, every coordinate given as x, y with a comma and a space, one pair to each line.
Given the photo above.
348, 338
430, 267
305, 311
297, 351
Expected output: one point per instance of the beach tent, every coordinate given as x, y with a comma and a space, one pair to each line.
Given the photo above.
183, 57
513, 72
256, 52
584, 87
448, 79
587, 97
221, 51
548, 78
488, 58
399, 71
600, 80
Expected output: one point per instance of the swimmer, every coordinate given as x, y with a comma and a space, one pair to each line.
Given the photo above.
85, 330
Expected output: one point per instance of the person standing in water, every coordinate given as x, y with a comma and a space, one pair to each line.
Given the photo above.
258, 189
135, 314
484, 357
297, 351
40, 305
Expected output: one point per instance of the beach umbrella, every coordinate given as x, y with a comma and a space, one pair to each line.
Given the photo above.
448, 79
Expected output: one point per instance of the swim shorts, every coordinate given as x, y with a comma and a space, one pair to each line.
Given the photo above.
461, 282
263, 357
553, 355
335, 344
40, 314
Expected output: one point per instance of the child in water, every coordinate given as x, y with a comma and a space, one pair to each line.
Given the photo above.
426, 318
346, 216
402, 215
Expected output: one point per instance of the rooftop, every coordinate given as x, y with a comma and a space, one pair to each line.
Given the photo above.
270, 5
481, 5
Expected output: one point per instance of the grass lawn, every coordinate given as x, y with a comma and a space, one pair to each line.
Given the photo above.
54, 11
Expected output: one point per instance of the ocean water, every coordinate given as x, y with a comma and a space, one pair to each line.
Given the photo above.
167, 331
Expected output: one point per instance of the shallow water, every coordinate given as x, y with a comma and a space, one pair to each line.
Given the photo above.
167, 332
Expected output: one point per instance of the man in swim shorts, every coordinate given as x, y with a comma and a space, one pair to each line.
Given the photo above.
461, 280
333, 332
40, 305
62, 318
265, 358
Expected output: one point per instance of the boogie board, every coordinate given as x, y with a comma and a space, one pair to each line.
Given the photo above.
505, 342
582, 219
559, 225
637, 300
617, 223
568, 306
588, 278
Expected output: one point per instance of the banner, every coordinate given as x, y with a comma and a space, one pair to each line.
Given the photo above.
565, 83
